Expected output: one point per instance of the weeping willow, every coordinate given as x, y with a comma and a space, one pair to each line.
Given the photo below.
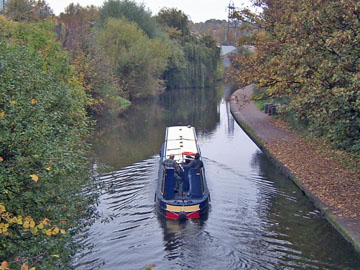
199, 69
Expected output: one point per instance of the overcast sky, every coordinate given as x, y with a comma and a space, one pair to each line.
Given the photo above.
197, 10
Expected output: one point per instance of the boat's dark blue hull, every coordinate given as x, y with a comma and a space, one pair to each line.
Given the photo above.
189, 209
188, 197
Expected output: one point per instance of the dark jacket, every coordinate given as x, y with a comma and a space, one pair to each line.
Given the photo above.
195, 163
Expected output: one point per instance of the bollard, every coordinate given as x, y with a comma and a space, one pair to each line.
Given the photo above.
270, 108
273, 110
266, 108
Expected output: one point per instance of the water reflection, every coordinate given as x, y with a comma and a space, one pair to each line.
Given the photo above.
139, 133
294, 221
173, 232
258, 218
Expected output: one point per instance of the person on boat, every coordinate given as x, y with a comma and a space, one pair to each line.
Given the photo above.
171, 163
196, 164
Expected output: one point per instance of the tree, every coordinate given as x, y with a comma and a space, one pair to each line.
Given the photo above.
133, 12
174, 18
193, 62
307, 57
27, 10
214, 28
97, 73
78, 22
41, 10
19, 10
138, 60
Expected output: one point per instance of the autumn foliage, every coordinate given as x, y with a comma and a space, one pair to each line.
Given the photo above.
307, 59
54, 72
43, 165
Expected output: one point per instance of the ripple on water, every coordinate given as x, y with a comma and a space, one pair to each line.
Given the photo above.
257, 220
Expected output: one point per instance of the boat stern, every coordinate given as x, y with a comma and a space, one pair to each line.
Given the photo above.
182, 212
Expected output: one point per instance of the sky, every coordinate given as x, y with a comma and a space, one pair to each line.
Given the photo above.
197, 10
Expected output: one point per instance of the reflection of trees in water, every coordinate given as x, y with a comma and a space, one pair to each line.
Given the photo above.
228, 91
295, 222
139, 132
230, 120
131, 137
195, 107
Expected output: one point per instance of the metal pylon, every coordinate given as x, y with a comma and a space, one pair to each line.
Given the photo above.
232, 21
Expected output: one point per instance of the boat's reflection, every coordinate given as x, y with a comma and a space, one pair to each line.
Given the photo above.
175, 231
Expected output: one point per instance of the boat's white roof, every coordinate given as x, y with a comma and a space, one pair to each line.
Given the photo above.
180, 132
180, 139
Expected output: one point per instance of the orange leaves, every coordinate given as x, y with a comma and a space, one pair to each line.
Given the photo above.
45, 221
16, 220
4, 228
26, 267
34, 177
3, 215
4, 265
33, 101
318, 169
28, 224
54, 231
2, 208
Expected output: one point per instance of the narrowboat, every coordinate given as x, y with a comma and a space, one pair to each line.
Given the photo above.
174, 198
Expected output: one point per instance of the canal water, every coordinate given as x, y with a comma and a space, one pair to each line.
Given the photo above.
258, 218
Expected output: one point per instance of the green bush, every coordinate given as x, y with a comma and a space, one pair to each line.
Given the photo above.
43, 166
138, 60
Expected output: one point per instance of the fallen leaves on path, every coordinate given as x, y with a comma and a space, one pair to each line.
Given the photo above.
319, 172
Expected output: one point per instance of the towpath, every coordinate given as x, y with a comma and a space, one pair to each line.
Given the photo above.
333, 189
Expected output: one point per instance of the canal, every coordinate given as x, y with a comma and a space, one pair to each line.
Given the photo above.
258, 218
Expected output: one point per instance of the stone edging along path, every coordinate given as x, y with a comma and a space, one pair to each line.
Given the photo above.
332, 188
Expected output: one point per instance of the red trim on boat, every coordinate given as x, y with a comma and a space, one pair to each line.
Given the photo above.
172, 215
193, 215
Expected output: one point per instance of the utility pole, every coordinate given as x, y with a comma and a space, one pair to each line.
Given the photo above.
232, 21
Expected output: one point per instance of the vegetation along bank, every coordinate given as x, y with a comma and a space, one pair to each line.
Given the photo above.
56, 73
306, 62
